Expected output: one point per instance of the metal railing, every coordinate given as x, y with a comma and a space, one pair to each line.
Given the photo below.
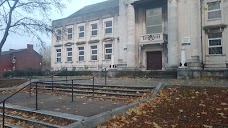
3, 102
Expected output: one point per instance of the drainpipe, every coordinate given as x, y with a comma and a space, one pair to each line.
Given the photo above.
201, 27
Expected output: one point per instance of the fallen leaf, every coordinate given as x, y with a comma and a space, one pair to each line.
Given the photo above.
207, 126
156, 125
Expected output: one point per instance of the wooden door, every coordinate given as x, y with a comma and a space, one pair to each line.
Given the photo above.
154, 60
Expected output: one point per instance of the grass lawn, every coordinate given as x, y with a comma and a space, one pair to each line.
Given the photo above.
178, 107
6, 83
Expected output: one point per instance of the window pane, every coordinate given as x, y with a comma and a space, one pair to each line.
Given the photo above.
81, 28
69, 53
81, 34
213, 5
94, 26
94, 47
81, 52
81, 58
107, 56
154, 11
69, 30
108, 30
69, 58
108, 45
108, 24
108, 50
155, 20
58, 50
154, 29
58, 59
58, 54
215, 50
94, 51
80, 48
215, 42
69, 37
214, 14
215, 35
69, 49
94, 32
94, 57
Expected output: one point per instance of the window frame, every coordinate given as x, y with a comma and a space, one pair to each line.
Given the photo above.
214, 10
59, 57
108, 48
79, 56
80, 32
68, 54
92, 54
70, 34
215, 46
148, 9
109, 27
92, 30
58, 35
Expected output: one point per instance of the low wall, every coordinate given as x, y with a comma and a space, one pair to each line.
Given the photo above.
199, 73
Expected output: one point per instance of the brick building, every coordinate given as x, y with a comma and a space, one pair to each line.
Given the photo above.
20, 59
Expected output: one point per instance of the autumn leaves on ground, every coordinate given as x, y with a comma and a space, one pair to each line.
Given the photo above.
178, 107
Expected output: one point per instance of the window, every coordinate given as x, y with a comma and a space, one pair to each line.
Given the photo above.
214, 10
108, 27
58, 55
81, 53
81, 31
108, 51
69, 33
215, 43
58, 34
69, 54
94, 29
154, 20
94, 52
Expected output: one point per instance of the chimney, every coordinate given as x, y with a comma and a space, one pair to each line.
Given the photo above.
30, 46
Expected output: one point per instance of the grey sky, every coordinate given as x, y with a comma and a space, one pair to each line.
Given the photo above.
17, 42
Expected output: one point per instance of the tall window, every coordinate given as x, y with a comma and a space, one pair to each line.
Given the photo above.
94, 52
94, 29
108, 51
69, 33
154, 20
215, 43
214, 10
108, 27
58, 34
58, 55
69, 54
81, 31
81, 53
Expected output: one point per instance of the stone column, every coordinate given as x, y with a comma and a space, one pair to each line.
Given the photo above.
131, 53
172, 34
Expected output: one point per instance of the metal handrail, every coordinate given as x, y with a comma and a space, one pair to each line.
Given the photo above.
38, 82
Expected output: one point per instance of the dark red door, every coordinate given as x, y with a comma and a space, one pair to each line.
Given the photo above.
154, 60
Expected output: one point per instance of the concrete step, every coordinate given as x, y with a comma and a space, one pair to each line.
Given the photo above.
35, 121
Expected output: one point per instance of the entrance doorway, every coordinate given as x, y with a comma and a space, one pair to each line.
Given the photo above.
154, 60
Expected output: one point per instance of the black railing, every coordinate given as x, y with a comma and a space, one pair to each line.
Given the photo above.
52, 83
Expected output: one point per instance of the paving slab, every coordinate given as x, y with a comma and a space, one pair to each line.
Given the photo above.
81, 106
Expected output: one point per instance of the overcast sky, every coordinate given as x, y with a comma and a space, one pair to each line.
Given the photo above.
17, 42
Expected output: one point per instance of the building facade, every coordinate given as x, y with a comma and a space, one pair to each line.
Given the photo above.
20, 59
143, 35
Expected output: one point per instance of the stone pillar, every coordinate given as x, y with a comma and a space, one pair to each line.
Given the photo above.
131, 53
172, 34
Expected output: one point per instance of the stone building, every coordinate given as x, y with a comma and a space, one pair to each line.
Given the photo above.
143, 35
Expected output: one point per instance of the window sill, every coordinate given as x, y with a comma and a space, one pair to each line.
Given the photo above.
58, 62
93, 61
214, 19
107, 60
80, 61
215, 55
69, 62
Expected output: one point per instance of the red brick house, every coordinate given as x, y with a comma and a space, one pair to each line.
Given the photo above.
20, 59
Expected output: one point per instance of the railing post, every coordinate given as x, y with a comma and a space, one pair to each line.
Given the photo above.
3, 114
30, 88
36, 97
52, 88
93, 86
72, 91
105, 77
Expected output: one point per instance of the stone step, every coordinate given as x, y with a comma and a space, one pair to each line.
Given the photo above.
99, 88
31, 122
10, 126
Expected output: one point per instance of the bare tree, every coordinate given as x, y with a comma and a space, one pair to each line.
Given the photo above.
26, 17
